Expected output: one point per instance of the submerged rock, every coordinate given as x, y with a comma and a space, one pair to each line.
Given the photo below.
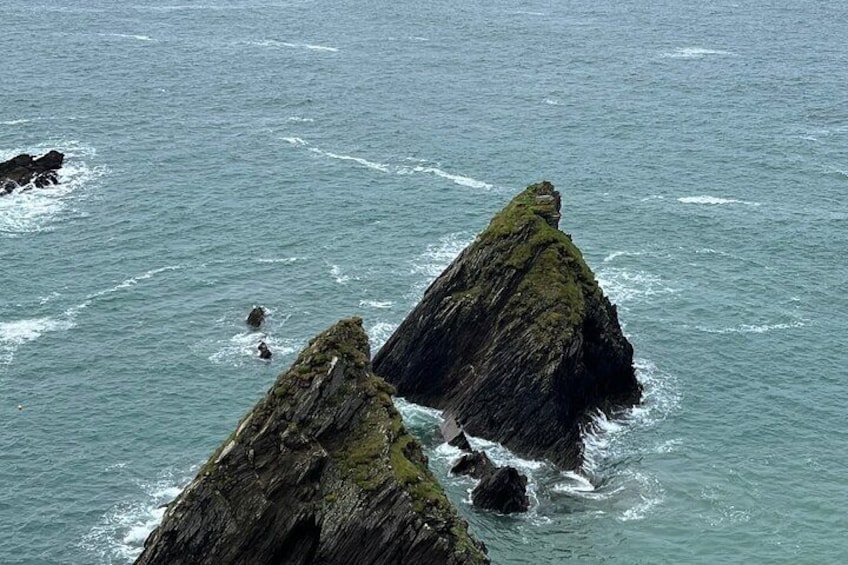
320, 471
516, 338
256, 317
25, 170
504, 490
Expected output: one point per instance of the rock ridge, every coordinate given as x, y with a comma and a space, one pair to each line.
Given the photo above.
25, 170
320, 471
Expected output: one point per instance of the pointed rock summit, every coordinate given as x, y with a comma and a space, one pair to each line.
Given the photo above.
320, 471
516, 338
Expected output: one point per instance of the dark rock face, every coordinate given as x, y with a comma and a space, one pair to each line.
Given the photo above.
24, 170
504, 490
256, 317
515, 338
320, 471
475, 464
453, 434
264, 350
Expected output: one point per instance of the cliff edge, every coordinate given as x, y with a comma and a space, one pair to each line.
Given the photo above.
515, 339
321, 470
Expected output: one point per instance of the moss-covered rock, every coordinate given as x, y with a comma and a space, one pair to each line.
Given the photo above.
321, 470
516, 338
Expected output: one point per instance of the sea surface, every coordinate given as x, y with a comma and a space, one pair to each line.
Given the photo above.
329, 158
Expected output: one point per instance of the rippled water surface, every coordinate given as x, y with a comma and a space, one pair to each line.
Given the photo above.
329, 158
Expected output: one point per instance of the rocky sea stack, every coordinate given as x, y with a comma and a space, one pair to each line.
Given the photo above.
321, 470
515, 339
24, 170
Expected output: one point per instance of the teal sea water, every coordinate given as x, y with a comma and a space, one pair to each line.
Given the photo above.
329, 158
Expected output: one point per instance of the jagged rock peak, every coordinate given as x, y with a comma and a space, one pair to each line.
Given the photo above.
321, 470
516, 338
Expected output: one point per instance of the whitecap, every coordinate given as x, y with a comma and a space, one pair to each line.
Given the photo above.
295, 141
129, 36
132, 281
379, 333
359, 160
284, 260
337, 275
15, 122
277, 43
623, 285
121, 532
298, 119
380, 304
456, 179
754, 328
439, 255
693, 53
713, 200
551, 101
16, 333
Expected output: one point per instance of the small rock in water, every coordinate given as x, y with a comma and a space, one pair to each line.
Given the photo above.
475, 464
453, 434
256, 317
264, 350
504, 491
20, 407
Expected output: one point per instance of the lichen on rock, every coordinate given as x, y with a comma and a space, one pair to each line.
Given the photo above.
516, 338
321, 470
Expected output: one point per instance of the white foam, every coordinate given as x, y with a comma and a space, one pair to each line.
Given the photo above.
16, 333
129, 36
336, 273
289, 45
120, 534
132, 281
240, 348
15, 122
457, 179
616, 254
285, 260
756, 329
359, 160
295, 141
438, 256
551, 101
623, 285
381, 304
693, 53
714, 201
31, 211
298, 119
379, 333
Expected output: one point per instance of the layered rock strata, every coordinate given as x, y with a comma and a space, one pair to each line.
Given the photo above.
515, 338
321, 470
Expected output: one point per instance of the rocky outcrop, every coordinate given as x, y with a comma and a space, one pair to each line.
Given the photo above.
474, 464
26, 171
515, 338
453, 434
504, 490
320, 471
256, 317
264, 350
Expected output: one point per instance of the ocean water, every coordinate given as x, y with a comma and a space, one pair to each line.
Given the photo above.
329, 158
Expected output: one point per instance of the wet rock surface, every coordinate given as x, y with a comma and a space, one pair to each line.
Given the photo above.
503, 490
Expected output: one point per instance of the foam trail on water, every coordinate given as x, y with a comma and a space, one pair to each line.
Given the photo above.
693, 53
276, 43
381, 304
364, 162
756, 329
713, 201
457, 179
128, 36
